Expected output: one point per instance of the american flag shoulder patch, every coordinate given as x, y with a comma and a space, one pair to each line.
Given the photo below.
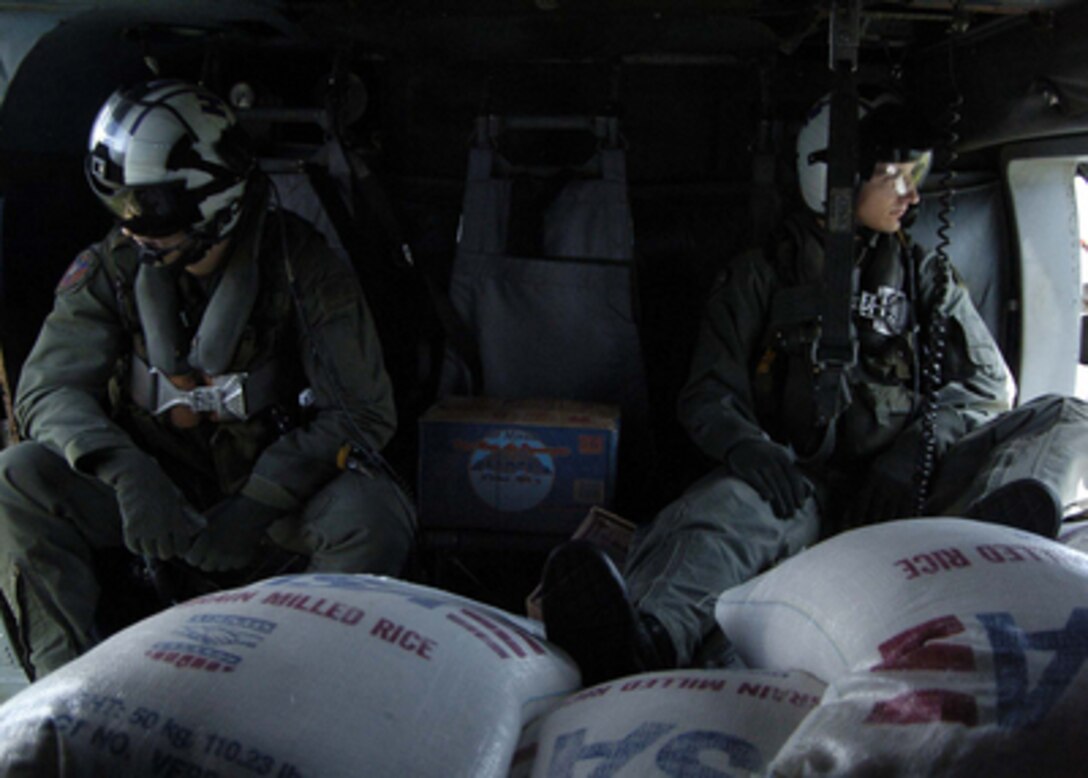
77, 272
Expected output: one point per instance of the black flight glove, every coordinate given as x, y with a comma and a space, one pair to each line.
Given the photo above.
235, 528
769, 469
157, 520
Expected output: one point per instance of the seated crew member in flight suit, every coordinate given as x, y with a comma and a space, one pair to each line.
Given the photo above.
160, 405
783, 480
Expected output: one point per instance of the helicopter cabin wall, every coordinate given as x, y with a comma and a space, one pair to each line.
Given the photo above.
708, 141
1014, 101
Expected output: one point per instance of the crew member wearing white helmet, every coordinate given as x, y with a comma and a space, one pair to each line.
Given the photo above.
784, 478
160, 406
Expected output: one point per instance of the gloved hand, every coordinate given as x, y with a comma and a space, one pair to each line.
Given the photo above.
886, 493
235, 528
769, 469
157, 520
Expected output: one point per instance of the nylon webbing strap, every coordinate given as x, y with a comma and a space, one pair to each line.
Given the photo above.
234, 395
11, 429
459, 337
793, 305
837, 347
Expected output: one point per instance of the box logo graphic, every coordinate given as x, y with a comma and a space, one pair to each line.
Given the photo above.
511, 469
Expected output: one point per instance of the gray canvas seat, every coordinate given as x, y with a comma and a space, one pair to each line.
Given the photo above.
544, 279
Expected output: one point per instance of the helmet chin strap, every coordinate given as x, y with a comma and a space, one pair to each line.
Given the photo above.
196, 246
202, 240
192, 250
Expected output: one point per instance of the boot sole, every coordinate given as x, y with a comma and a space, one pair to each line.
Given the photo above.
587, 613
1027, 505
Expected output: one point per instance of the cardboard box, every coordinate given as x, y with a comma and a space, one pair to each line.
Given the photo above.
611, 532
519, 466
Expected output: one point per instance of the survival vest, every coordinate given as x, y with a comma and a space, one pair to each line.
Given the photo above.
213, 375
880, 387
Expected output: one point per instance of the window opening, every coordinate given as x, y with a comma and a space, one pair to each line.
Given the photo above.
1080, 185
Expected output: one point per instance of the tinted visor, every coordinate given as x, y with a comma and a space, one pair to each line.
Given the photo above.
154, 210
923, 163
912, 177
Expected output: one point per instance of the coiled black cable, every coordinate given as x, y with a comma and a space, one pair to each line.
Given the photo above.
935, 343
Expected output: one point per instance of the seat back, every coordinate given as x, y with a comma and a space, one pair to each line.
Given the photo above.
544, 279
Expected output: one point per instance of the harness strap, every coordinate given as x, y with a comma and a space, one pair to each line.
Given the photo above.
220, 328
793, 305
231, 396
837, 348
11, 428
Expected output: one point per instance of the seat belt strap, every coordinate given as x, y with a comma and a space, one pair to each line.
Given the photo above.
459, 336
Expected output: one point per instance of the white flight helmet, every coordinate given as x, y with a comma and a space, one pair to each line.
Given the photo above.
167, 156
887, 132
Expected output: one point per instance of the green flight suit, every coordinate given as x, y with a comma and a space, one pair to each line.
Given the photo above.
747, 383
73, 401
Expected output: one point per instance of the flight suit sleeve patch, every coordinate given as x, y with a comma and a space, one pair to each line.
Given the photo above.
78, 272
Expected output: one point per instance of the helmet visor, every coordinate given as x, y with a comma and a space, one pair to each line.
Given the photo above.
913, 172
923, 163
906, 176
154, 210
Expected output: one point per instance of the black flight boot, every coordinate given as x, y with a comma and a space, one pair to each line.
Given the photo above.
1025, 504
587, 613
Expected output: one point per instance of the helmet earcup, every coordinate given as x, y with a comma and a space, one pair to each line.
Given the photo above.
235, 148
887, 132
